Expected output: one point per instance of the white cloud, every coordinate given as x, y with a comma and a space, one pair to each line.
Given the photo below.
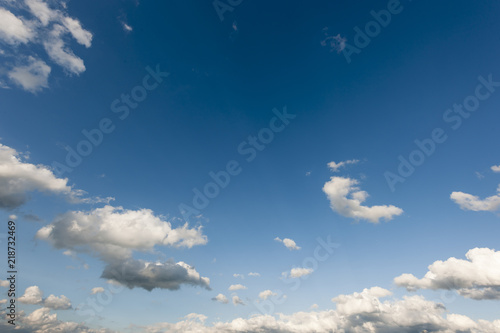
336, 166
33, 295
358, 313
238, 275
297, 272
314, 306
126, 27
336, 43
266, 294
18, 179
46, 26
4, 283
289, 243
478, 277
113, 233
495, 168
471, 202
14, 30
254, 274
97, 290
237, 301
237, 287
221, 298
32, 77
338, 190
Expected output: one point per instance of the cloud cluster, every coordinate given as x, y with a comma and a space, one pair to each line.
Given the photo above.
478, 277
289, 243
33, 295
113, 233
471, 202
346, 199
33, 23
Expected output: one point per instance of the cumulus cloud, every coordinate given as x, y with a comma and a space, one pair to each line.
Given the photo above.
46, 26
18, 178
297, 272
254, 274
34, 296
495, 168
237, 287
336, 166
477, 277
357, 313
4, 283
113, 233
346, 199
236, 275
266, 294
221, 298
289, 243
237, 301
471, 202
97, 290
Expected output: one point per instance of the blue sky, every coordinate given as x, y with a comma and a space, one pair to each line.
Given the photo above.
369, 127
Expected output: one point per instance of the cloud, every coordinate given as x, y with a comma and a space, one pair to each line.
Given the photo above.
495, 168
32, 77
358, 312
266, 294
478, 277
237, 287
472, 202
126, 27
336, 166
338, 190
237, 301
34, 296
221, 298
46, 26
148, 275
97, 290
14, 30
4, 283
297, 272
238, 275
253, 274
18, 178
289, 243
336, 43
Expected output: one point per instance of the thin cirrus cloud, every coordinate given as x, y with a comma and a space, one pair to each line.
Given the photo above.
19, 178
289, 243
468, 201
346, 199
113, 233
33, 23
477, 277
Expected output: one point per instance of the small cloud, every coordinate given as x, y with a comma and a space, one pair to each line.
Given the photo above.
479, 175
253, 274
97, 290
336, 166
237, 287
308, 173
335, 43
495, 168
314, 306
289, 243
126, 27
266, 294
239, 276
297, 272
12, 217
472, 202
235, 26
221, 298
237, 301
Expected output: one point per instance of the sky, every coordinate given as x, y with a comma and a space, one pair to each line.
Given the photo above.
247, 166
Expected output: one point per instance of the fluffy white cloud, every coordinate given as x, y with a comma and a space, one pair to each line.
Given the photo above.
4, 283
33, 76
237, 301
289, 243
254, 274
33, 295
495, 168
113, 233
97, 290
266, 294
237, 287
471, 202
346, 199
18, 178
14, 30
357, 313
478, 277
297, 272
221, 298
239, 275
336, 166
47, 26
